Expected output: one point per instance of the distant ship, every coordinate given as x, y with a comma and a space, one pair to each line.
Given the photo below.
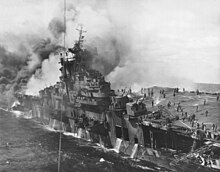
83, 103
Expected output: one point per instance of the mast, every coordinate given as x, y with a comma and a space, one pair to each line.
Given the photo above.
67, 91
81, 31
65, 54
78, 47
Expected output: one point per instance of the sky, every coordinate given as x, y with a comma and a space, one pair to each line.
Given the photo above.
159, 42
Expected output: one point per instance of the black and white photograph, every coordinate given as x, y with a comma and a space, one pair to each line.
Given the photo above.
109, 85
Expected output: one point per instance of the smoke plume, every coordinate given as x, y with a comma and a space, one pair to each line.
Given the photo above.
133, 43
146, 43
24, 55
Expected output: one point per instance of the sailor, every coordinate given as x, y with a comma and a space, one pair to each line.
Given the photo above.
203, 126
182, 113
190, 118
178, 107
168, 104
183, 118
193, 117
206, 113
152, 103
152, 92
197, 108
213, 127
177, 117
186, 115
164, 95
217, 98
192, 123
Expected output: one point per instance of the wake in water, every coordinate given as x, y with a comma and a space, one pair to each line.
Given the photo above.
6, 110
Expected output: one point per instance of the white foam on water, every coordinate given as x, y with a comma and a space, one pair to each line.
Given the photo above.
102, 147
145, 167
6, 110
47, 127
17, 113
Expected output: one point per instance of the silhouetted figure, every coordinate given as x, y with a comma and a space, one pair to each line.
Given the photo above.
206, 113
197, 108
152, 103
213, 127
183, 118
152, 93
193, 117
193, 123
186, 115
177, 117
203, 126
217, 98
169, 104
178, 107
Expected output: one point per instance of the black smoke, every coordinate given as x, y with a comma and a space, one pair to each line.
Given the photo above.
104, 61
57, 27
15, 70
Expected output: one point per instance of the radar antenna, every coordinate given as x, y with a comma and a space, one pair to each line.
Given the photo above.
81, 31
